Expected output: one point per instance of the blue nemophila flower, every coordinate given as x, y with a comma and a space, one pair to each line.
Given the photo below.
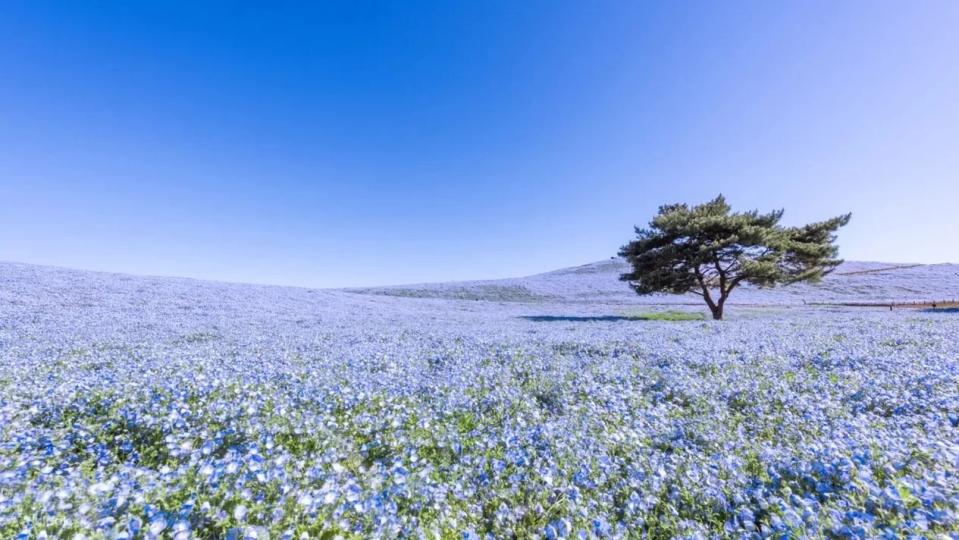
157, 525
277, 413
556, 529
600, 527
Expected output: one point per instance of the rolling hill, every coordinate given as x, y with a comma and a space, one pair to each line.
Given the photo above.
852, 282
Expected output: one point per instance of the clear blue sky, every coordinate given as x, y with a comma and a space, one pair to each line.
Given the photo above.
353, 143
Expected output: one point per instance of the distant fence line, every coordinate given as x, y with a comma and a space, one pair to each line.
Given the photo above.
934, 304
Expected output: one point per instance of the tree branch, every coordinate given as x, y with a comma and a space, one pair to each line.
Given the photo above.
722, 281
705, 289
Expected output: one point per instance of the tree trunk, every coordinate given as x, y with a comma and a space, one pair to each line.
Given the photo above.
717, 312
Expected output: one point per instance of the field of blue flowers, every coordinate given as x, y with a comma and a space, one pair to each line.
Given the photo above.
165, 408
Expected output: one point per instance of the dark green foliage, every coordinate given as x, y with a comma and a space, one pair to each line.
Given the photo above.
708, 249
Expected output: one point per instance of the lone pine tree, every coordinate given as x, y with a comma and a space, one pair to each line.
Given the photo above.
709, 250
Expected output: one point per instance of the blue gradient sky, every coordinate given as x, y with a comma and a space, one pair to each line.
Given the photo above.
406, 141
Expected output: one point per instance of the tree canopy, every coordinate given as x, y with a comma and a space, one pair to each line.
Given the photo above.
709, 250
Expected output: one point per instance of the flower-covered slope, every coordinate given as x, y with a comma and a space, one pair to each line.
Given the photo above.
167, 408
851, 282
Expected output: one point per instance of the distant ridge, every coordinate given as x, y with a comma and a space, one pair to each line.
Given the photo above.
854, 282
883, 269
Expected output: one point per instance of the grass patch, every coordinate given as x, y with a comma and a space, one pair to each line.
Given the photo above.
667, 316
